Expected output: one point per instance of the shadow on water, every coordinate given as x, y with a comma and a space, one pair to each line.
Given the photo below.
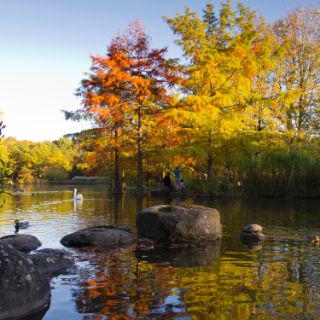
36, 316
182, 257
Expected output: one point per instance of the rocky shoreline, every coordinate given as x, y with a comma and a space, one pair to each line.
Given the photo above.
181, 235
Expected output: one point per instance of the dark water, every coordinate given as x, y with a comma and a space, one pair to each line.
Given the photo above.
278, 280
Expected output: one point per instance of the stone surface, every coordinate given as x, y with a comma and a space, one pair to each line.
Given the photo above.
52, 261
247, 237
24, 289
252, 233
22, 242
177, 224
252, 228
102, 236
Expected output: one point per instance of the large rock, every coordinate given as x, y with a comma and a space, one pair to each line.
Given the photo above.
175, 224
22, 242
24, 289
102, 236
52, 261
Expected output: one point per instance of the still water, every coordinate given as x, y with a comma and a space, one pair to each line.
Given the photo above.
278, 280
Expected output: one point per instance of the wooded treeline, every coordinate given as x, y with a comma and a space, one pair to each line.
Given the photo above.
239, 111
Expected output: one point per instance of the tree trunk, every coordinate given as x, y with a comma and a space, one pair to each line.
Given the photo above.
209, 166
209, 158
117, 182
139, 155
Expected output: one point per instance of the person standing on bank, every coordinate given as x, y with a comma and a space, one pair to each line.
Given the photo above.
176, 173
182, 186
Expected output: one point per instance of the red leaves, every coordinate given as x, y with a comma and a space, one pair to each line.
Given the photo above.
130, 73
256, 48
130, 82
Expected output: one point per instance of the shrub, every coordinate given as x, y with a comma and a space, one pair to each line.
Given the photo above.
55, 173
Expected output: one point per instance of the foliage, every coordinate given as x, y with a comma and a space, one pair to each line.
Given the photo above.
55, 173
122, 90
26, 161
239, 113
251, 99
296, 78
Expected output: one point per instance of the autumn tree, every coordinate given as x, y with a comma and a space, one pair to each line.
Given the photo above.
123, 89
225, 53
297, 76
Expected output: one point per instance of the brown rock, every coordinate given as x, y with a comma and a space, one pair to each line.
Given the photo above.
177, 224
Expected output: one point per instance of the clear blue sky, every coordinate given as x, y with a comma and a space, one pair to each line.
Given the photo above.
45, 47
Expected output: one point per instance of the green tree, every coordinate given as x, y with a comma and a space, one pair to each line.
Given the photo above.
226, 55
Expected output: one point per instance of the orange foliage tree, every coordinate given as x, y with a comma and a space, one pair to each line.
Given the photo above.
122, 92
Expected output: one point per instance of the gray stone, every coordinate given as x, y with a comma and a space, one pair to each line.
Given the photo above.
252, 233
177, 224
52, 261
24, 289
101, 236
22, 242
252, 228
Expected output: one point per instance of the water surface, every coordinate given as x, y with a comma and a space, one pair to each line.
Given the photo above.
277, 280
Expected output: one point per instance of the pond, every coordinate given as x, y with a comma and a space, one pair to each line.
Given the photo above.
277, 280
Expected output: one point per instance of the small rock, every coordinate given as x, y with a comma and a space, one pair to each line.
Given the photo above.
252, 233
252, 228
22, 242
145, 244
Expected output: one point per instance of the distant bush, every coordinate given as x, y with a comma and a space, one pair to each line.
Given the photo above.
55, 173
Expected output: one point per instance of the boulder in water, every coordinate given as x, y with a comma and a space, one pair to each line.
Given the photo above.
22, 242
101, 236
24, 289
176, 224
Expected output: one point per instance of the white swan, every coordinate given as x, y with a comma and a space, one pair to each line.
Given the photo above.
77, 197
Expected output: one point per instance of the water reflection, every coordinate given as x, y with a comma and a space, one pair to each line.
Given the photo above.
238, 286
279, 280
253, 246
77, 205
184, 257
120, 285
